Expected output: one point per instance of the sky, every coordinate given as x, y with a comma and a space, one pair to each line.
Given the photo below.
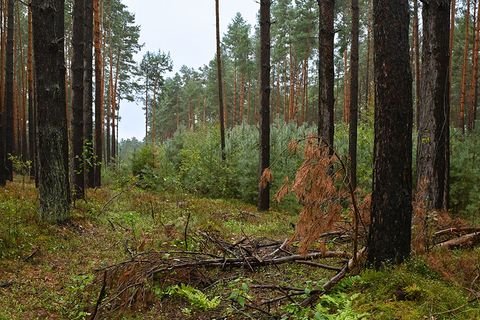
186, 29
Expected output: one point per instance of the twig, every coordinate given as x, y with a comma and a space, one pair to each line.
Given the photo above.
277, 250
101, 296
319, 265
31, 255
185, 231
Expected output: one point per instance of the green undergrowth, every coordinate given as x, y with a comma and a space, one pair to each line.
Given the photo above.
49, 272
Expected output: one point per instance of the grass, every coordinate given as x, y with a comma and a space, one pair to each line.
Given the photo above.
46, 272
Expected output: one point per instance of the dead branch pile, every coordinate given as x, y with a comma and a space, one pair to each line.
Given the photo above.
129, 284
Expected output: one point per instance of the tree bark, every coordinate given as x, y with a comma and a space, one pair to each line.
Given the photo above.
264, 189
391, 214
326, 101
48, 42
78, 136
433, 130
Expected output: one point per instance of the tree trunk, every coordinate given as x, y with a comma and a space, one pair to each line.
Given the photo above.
353, 117
461, 114
220, 82
433, 131
3, 168
346, 88
48, 42
108, 123
451, 43
416, 53
9, 93
88, 93
326, 102
99, 98
472, 100
264, 188
78, 137
32, 119
291, 96
390, 231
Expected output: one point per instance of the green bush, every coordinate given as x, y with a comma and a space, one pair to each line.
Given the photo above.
191, 160
465, 174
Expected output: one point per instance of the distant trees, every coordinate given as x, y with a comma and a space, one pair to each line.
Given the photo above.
152, 69
49, 35
391, 213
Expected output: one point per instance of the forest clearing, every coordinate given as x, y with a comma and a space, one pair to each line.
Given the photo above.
304, 160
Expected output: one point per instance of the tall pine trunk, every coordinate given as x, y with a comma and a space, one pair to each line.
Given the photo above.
326, 102
391, 214
461, 113
220, 83
88, 93
353, 117
48, 42
99, 97
9, 90
472, 95
433, 131
78, 137
264, 188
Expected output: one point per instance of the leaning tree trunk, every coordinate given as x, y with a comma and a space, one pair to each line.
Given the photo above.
433, 130
326, 101
264, 187
78, 136
391, 215
52, 148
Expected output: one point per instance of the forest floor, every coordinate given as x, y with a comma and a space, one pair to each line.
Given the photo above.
55, 272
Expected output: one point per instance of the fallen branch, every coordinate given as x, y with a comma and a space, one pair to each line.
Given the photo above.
455, 231
466, 241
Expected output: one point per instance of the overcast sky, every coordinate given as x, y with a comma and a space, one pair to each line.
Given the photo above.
186, 29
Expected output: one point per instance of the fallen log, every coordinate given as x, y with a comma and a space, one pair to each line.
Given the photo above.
456, 231
466, 241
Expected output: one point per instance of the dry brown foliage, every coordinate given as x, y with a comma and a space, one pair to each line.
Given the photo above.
266, 178
317, 191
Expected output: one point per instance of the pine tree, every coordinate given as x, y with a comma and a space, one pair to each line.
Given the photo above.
264, 187
49, 32
433, 130
391, 214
